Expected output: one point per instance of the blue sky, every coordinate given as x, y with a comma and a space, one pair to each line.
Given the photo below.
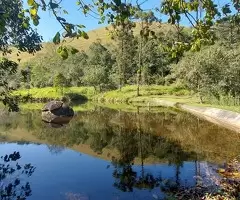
49, 26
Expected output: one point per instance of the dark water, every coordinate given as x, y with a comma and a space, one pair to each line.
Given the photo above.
110, 154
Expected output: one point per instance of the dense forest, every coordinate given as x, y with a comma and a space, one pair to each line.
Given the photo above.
130, 59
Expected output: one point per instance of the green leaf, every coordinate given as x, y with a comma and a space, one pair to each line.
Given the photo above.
33, 11
53, 5
85, 35
56, 39
73, 50
59, 49
20, 16
31, 2
226, 9
117, 2
174, 54
35, 22
81, 26
64, 53
65, 12
25, 25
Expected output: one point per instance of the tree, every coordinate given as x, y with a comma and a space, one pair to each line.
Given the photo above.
146, 19
75, 66
125, 51
95, 75
41, 76
7, 69
14, 31
60, 82
100, 55
204, 71
100, 59
155, 63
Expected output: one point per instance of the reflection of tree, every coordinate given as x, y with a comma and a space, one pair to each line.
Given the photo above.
98, 143
55, 149
168, 136
172, 151
125, 177
129, 144
123, 173
145, 180
11, 185
100, 127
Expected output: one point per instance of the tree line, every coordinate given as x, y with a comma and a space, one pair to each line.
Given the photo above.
212, 73
102, 66
130, 63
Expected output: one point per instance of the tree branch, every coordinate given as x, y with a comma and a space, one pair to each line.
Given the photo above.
55, 14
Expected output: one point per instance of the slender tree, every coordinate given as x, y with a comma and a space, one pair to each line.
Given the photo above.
146, 20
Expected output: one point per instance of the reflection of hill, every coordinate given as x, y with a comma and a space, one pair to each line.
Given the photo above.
109, 134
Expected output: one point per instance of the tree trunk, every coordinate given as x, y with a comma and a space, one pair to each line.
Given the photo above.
121, 68
139, 72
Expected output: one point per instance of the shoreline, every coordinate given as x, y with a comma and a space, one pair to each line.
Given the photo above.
152, 96
224, 118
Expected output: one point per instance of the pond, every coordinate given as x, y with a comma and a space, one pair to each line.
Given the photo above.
109, 154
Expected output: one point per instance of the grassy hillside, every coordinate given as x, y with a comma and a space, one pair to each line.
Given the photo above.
101, 34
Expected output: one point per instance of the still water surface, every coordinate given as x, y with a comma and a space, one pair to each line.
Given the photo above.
112, 154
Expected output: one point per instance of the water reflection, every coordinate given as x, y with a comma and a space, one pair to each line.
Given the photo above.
12, 185
169, 136
131, 142
55, 149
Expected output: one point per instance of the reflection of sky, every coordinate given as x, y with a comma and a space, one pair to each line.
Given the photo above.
71, 172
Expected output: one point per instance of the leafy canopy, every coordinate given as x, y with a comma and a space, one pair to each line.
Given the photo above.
201, 14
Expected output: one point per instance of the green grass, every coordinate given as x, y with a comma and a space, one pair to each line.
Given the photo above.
31, 106
52, 93
141, 108
39, 106
117, 99
129, 92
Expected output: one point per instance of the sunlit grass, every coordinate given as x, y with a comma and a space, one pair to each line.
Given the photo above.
129, 92
31, 106
39, 106
120, 99
53, 93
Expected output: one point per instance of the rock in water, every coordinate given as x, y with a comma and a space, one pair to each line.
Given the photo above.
57, 112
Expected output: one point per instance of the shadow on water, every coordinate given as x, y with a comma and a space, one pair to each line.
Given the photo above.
129, 140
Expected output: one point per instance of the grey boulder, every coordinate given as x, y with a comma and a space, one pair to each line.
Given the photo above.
57, 112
